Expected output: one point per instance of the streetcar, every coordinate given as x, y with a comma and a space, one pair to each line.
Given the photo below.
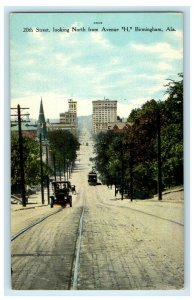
92, 178
62, 193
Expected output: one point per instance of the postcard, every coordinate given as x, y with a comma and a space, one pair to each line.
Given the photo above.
97, 194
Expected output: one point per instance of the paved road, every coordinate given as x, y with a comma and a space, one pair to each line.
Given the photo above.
123, 245
123, 248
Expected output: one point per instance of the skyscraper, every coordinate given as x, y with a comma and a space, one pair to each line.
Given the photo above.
69, 118
103, 112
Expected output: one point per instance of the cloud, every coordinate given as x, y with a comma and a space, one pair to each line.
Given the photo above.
178, 34
29, 62
164, 50
124, 109
152, 77
62, 59
98, 38
115, 61
37, 35
33, 76
53, 104
88, 66
82, 69
163, 66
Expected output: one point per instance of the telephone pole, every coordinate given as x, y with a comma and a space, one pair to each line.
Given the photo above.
159, 157
47, 177
22, 174
41, 170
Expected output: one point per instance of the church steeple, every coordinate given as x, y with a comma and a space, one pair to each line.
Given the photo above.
41, 129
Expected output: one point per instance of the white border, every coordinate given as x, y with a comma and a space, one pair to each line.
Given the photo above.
113, 5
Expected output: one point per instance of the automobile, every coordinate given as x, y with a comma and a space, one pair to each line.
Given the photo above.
62, 193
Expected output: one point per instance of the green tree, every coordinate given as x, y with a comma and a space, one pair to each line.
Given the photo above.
172, 133
141, 138
133, 158
64, 145
31, 155
102, 142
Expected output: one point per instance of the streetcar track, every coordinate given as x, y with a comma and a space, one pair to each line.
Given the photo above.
35, 254
76, 260
73, 279
143, 212
13, 237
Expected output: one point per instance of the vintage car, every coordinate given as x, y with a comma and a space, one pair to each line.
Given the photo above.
62, 193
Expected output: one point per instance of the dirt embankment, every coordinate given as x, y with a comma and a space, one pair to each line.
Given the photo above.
175, 196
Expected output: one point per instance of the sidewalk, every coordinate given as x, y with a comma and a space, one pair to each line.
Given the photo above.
34, 200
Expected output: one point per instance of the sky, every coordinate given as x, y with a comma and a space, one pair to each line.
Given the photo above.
116, 61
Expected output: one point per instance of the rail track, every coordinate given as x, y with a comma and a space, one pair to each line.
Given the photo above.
141, 212
74, 274
137, 210
76, 262
25, 229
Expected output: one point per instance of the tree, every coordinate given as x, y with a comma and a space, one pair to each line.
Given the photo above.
31, 155
150, 153
142, 138
64, 145
172, 132
103, 140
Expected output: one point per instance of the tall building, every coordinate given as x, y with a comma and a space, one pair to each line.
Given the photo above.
72, 106
103, 113
68, 119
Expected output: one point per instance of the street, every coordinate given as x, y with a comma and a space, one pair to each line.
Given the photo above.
102, 242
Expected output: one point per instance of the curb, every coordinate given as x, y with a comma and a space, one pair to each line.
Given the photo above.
24, 208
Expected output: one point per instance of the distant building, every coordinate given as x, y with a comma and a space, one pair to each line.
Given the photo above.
41, 128
29, 129
103, 113
72, 106
117, 126
68, 120
70, 117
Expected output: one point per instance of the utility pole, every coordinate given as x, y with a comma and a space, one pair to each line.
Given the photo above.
59, 170
64, 166
47, 178
122, 171
131, 170
159, 157
22, 175
54, 163
41, 169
